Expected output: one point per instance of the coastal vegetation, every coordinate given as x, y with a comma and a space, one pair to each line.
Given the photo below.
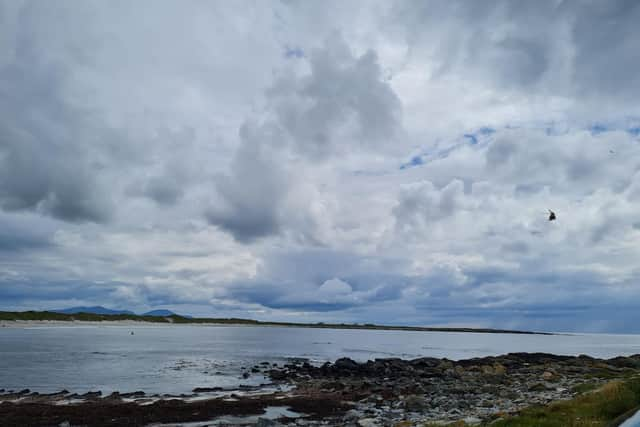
175, 318
606, 406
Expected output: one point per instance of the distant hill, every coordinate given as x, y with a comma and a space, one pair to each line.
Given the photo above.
162, 313
93, 310
83, 315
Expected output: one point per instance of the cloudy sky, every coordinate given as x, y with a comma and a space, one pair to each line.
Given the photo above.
374, 161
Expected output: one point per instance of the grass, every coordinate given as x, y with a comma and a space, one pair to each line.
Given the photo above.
606, 406
46, 315
600, 407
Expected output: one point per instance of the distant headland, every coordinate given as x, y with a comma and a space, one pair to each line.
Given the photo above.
100, 314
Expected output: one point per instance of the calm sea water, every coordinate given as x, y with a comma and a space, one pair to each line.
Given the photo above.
175, 359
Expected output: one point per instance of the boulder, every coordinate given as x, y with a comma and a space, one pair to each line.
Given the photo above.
415, 403
345, 363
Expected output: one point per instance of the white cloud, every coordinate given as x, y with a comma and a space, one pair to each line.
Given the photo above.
155, 154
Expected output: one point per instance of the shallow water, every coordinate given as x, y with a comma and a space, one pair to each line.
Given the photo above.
177, 358
633, 421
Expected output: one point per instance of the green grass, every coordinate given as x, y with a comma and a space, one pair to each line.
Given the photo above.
596, 409
46, 315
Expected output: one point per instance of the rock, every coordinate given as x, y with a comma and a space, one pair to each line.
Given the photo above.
499, 369
486, 404
133, 394
277, 375
346, 364
207, 389
415, 403
352, 415
472, 420
64, 424
549, 376
245, 375
445, 364
537, 387
427, 362
91, 395
487, 370
368, 422
266, 422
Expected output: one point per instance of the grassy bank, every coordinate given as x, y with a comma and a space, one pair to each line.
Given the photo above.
90, 317
607, 406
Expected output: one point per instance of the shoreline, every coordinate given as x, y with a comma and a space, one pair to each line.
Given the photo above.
72, 322
380, 392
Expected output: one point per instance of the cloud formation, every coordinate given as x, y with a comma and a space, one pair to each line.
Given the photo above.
385, 162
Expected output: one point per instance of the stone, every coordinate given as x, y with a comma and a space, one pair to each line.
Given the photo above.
537, 387
345, 363
548, 376
415, 403
352, 415
266, 422
207, 389
499, 369
368, 422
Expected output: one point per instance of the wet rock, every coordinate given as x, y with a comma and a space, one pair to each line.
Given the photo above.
138, 393
352, 415
346, 364
368, 422
278, 375
245, 375
415, 403
114, 396
91, 395
207, 389
537, 387
266, 422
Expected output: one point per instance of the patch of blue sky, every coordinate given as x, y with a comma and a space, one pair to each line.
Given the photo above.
598, 128
415, 161
635, 131
472, 138
486, 130
293, 52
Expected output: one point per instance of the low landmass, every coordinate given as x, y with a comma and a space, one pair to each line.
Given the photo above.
512, 390
175, 318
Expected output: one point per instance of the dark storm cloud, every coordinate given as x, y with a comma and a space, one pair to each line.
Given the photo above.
44, 140
11, 241
606, 34
566, 47
16, 292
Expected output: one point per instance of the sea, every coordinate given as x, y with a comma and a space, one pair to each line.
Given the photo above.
175, 359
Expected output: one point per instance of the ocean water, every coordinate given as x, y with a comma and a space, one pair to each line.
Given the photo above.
177, 358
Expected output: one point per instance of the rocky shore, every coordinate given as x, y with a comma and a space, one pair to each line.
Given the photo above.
382, 392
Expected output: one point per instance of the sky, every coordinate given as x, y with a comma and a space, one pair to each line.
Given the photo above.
369, 161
